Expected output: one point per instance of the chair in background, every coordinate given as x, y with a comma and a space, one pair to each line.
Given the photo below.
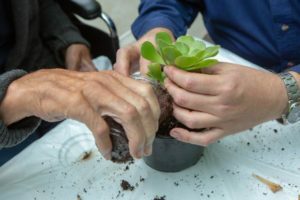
102, 43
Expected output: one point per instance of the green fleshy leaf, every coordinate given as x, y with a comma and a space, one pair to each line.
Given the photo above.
202, 64
186, 53
149, 52
184, 62
182, 47
208, 52
165, 37
155, 72
186, 39
161, 45
170, 53
196, 47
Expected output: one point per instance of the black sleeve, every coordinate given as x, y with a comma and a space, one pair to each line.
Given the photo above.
57, 30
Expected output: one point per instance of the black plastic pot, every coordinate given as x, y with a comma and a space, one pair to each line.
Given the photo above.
171, 155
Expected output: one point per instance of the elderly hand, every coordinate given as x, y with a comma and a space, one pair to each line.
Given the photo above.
129, 58
225, 98
78, 58
59, 94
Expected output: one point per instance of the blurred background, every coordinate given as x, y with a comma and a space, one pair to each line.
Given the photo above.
123, 12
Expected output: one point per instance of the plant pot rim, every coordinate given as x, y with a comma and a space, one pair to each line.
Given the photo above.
164, 137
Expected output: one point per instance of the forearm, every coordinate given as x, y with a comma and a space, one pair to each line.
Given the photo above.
15, 126
174, 15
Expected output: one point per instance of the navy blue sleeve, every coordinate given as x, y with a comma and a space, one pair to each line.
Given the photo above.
295, 69
175, 15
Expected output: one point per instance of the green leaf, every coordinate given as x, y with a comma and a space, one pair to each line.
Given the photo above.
182, 47
170, 53
202, 64
187, 39
184, 62
155, 72
149, 52
208, 52
165, 37
196, 47
161, 45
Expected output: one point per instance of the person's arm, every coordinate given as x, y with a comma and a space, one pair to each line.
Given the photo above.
13, 133
171, 16
225, 99
174, 15
57, 94
63, 38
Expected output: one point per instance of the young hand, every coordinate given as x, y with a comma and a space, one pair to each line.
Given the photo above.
225, 99
129, 58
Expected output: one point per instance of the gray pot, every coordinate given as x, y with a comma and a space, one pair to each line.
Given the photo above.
171, 155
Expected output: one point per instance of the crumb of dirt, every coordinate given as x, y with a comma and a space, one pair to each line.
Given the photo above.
160, 198
86, 155
142, 179
126, 186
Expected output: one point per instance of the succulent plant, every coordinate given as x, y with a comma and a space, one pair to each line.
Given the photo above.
185, 53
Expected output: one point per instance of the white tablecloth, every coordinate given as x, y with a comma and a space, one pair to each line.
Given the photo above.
53, 167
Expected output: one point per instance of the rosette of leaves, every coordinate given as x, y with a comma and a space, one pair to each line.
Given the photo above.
185, 53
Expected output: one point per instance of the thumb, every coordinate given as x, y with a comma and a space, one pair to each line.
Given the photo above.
73, 62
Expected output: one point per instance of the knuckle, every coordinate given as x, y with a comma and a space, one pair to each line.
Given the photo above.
146, 89
144, 107
101, 131
180, 100
76, 99
206, 141
188, 83
230, 86
120, 51
223, 110
130, 112
191, 123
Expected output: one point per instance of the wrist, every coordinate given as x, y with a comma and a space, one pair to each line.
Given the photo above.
12, 108
150, 35
281, 97
291, 83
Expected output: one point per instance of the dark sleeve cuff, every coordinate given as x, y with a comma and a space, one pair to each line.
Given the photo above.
295, 68
17, 132
63, 41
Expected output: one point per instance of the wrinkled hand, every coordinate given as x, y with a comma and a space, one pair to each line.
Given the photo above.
225, 98
78, 58
129, 58
59, 94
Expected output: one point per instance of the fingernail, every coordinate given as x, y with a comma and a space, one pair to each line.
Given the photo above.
138, 155
174, 134
148, 150
166, 81
166, 69
106, 154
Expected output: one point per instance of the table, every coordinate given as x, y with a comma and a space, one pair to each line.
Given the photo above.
65, 164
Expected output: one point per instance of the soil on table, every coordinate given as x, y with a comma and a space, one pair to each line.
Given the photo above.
126, 186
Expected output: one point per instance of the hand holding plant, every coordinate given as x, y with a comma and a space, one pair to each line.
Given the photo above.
185, 53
